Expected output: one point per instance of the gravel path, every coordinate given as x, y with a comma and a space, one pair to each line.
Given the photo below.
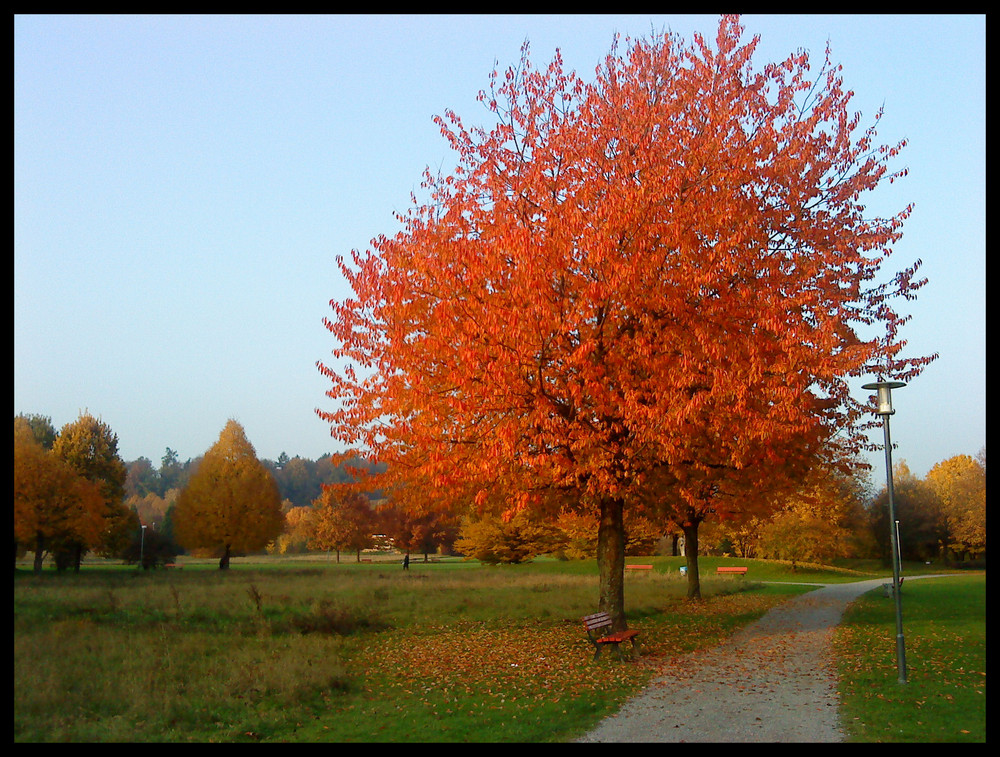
773, 681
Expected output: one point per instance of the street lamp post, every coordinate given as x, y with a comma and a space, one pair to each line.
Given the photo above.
884, 409
142, 548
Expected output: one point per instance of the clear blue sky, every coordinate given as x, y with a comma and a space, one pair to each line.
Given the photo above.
182, 186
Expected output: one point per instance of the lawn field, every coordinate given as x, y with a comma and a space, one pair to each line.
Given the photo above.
944, 631
316, 651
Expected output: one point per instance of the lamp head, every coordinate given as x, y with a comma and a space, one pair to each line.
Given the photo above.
884, 388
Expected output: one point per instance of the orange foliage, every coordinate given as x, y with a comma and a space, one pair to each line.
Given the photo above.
52, 501
341, 520
668, 269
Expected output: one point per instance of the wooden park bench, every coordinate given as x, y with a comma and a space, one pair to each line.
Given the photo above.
170, 565
597, 626
728, 569
638, 567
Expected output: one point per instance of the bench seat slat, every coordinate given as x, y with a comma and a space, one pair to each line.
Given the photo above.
617, 638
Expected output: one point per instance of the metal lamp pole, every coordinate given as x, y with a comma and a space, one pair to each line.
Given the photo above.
884, 409
142, 548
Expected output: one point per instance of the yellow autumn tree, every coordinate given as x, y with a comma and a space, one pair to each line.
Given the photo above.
520, 538
90, 448
579, 533
298, 530
960, 485
231, 504
817, 522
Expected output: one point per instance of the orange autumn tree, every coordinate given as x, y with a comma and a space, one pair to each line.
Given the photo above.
53, 502
661, 278
413, 531
342, 520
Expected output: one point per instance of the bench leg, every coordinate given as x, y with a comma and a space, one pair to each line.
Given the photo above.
618, 650
600, 648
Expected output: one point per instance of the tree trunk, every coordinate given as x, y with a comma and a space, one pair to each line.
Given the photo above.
691, 552
611, 560
224, 562
39, 554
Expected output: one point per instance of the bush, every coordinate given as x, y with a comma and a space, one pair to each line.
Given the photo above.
329, 618
154, 549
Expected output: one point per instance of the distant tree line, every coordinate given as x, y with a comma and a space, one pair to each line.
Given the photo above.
73, 495
942, 517
300, 480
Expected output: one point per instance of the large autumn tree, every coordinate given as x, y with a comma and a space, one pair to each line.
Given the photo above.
231, 503
53, 503
662, 277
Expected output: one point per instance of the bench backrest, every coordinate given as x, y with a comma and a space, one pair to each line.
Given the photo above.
597, 620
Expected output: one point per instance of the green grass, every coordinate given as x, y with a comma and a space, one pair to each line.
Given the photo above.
944, 696
312, 650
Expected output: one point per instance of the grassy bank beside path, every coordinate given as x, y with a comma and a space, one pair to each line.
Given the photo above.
944, 630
